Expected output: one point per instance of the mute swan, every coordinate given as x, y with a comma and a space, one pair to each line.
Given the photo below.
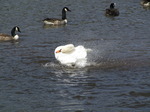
72, 56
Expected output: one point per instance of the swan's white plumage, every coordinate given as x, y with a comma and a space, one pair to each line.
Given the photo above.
71, 56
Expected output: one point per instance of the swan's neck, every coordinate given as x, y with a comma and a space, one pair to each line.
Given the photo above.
68, 49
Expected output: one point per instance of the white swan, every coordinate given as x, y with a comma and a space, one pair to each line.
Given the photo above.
72, 56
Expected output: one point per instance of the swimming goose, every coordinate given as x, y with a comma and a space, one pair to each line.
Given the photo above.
70, 55
112, 11
13, 36
145, 3
54, 21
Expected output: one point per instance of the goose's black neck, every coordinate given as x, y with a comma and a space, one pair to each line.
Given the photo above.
64, 15
112, 6
13, 32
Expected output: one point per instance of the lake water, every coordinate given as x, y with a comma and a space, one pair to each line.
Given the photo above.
117, 78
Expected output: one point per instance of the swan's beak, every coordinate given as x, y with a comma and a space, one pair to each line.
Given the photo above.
58, 51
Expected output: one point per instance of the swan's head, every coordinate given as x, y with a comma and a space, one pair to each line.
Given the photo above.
58, 51
65, 49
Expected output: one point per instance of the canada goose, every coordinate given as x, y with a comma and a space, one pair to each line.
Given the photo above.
112, 11
13, 36
54, 21
145, 3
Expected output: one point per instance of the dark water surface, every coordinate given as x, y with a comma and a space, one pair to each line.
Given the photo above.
117, 79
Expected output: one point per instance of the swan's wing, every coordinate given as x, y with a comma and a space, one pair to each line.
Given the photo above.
80, 52
66, 58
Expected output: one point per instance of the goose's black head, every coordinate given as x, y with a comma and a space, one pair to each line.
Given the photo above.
66, 9
16, 28
112, 5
